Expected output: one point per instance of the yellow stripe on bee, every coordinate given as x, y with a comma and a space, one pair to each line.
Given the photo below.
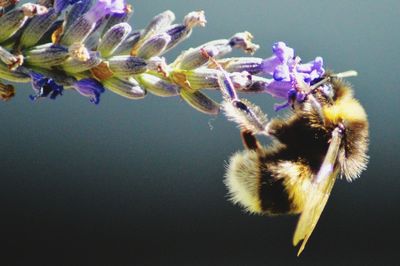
297, 180
346, 109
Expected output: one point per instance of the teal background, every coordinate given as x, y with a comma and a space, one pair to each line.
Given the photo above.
140, 182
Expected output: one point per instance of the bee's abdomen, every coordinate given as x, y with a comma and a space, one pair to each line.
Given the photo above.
274, 199
265, 186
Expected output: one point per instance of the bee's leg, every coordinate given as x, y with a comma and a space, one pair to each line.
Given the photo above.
248, 116
249, 140
317, 108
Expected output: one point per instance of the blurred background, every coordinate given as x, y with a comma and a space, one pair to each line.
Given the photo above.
140, 182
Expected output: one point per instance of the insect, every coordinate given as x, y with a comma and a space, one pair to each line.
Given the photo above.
324, 137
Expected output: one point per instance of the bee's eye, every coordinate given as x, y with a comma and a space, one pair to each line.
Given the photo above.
327, 90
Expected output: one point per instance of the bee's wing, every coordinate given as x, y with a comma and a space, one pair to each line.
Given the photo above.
319, 192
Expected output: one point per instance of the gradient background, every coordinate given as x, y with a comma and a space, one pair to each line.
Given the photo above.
140, 182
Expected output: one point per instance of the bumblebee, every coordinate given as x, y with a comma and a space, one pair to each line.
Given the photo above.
324, 137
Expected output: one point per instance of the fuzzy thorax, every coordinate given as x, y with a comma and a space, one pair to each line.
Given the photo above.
348, 111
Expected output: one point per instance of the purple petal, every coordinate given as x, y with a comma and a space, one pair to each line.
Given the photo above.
44, 87
269, 64
283, 55
316, 65
283, 52
281, 73
292, 95
105, 7
111, 6
279, 89
90, 88
290, 76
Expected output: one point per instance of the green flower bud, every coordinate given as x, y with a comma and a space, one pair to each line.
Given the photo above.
73, 65
37, 28
113, 38
126, 47
13, 76
10, 23
47, 55
12, 61
200, 102
159, 23
128, 88
197, 79
158, 86
154, 46
181, 32
126, 66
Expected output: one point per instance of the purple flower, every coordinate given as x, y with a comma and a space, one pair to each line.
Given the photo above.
283, 52
284, 66
311, 70
289, 74
105, 7
281, 73
90, 88
60, 5
282, 55
44, 87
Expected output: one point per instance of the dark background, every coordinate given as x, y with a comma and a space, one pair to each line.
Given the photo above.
140, 182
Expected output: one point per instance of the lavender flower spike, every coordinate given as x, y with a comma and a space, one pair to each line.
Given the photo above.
87, 44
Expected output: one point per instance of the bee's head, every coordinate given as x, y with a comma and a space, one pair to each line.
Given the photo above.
340, 108
331, 87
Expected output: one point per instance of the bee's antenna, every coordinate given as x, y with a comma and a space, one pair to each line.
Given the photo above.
346, 74
319, 83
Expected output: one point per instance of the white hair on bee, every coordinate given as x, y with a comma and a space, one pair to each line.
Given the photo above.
352, 167
242, 179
